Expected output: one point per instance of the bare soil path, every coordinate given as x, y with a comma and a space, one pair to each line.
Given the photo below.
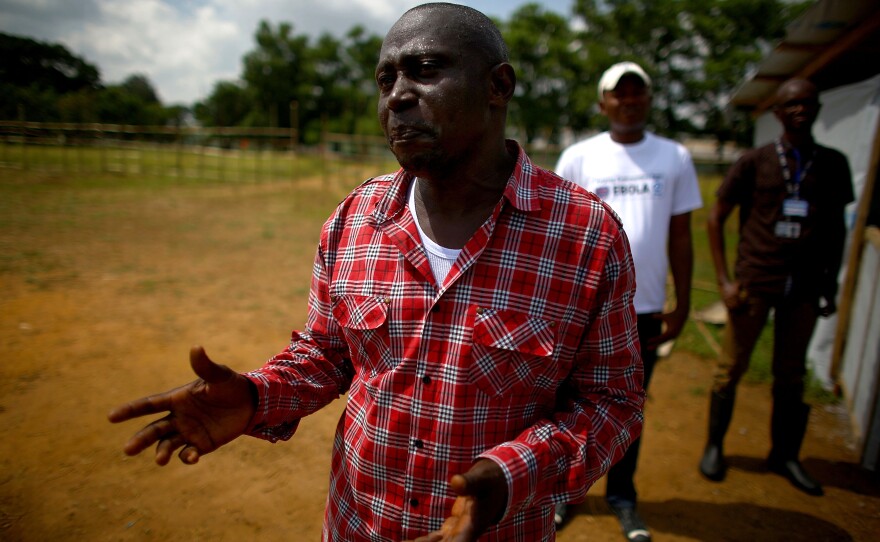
103, 292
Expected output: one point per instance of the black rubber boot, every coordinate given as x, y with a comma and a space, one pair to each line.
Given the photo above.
787, 429
712, 465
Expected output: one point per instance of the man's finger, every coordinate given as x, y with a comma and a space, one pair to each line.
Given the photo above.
189, 454
482, 476
207, 370
459, 484
141, 407
166, 447
145, 438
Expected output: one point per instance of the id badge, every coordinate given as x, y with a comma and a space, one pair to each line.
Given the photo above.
788, 230
795, 207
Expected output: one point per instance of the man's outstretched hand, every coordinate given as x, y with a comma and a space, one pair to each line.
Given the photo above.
481, 502
202, 415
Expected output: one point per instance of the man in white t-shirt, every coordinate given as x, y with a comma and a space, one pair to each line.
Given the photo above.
651, 183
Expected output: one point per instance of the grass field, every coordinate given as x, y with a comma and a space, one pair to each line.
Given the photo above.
56, 190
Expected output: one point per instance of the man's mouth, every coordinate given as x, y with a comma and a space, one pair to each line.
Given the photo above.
405, 133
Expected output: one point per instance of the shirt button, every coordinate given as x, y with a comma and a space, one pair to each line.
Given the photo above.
418, 444
413, 502
426, 380
435, 308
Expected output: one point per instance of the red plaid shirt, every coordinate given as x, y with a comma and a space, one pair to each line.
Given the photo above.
527, 354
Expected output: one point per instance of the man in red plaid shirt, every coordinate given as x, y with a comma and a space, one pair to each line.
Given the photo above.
476, 310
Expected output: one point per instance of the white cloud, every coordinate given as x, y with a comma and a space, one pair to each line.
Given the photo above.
184, 47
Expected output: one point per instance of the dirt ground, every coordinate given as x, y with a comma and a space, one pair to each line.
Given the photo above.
102, 292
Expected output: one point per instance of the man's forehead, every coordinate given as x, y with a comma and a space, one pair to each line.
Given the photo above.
424, 41
418, 27
796, 89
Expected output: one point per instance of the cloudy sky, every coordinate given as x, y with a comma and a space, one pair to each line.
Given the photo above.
185, 46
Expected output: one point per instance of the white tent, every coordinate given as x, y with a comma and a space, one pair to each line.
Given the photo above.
837, 46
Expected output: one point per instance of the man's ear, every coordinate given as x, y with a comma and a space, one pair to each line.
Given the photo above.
502, 84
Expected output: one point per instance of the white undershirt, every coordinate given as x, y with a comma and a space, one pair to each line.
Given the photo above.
440, 258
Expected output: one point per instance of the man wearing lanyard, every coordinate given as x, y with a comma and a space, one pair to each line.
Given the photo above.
791, 194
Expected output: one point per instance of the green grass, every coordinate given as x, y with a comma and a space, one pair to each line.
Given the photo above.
157, 166
58, 185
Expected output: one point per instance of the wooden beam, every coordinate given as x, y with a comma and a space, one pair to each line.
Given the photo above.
786, 46
854, 260
846, 42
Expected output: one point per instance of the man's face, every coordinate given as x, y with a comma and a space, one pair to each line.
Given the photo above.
627, 106
433, 95
797, 106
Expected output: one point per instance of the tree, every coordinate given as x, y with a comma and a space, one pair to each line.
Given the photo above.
737, 34
34, 74
539, 42
326, 102
140, 87
229, 104
696, 51
360, 52
27, 63
280, 71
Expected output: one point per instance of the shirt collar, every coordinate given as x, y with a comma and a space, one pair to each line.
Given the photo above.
522, 187
521, 190
788, 147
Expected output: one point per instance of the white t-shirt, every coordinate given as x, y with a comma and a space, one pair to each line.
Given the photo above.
646, 183
440, 258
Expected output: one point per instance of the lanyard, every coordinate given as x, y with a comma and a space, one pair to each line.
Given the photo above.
793, 184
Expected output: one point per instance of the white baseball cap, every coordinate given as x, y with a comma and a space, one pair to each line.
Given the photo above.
613, 74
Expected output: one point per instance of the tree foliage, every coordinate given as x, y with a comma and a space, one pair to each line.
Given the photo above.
539, 43
697, 52
46, 82
229, 104
288, 79
33, 74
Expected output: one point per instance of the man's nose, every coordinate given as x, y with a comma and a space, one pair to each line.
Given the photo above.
401, 94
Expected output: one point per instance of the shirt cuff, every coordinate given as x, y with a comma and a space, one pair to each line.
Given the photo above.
267, 423
520, 466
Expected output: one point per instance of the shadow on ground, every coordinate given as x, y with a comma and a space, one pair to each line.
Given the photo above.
736, 522
840, 474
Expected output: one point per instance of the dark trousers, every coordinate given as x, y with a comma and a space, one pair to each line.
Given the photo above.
620, 490
794, 321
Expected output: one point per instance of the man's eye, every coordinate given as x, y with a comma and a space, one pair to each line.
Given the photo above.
428, 68
385, 80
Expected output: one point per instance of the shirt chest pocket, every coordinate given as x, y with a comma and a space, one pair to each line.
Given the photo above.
512, 352
364, 322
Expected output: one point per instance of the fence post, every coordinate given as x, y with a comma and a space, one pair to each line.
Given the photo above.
294, 136
24, 159
201, 162
102, 148
324, 150
179, 155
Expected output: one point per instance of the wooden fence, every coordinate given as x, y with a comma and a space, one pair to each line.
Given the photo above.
224, 153
220, 153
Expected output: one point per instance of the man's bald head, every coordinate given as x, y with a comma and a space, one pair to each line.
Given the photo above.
474, 31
